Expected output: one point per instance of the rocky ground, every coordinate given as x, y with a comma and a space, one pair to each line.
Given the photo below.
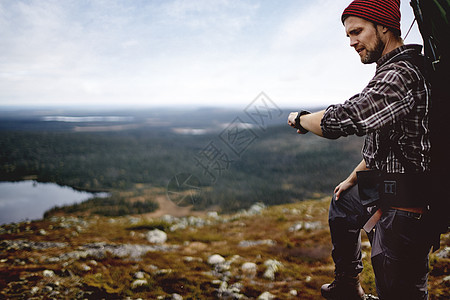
280, 252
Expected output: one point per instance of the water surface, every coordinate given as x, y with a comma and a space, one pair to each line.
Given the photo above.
28, 200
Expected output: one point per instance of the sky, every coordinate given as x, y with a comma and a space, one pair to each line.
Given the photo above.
180, 53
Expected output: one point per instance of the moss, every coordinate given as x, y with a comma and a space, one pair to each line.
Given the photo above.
367, 277
306, 257
103, 282
150, 225
204, 236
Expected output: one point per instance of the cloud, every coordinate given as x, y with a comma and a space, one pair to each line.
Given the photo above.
175, 52
204, 14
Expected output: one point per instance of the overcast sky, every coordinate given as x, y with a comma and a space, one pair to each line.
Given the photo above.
178, 53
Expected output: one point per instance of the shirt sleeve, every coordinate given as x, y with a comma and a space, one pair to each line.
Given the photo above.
385, 100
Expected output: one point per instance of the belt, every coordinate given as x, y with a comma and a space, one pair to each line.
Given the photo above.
415, 212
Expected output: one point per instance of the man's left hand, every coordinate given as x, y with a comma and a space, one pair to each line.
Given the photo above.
291, 118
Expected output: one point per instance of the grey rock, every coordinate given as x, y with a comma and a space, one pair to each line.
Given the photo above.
138, 283
256, 209
85, 268
306, 226
444, 253
266, 296
233, 291
213, 214
256, 243
370, 297
272, 267
101, 250
192, 259
48, 273
176, 296
249, 269
156, 236
34, 290
169, 219
215, 259
139, 275
30, 245
47, 289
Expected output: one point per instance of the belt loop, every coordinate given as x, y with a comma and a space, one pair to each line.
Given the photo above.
417, 216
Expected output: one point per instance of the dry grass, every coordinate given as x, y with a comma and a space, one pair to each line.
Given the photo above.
305, 255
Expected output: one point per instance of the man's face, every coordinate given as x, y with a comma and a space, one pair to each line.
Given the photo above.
365, 38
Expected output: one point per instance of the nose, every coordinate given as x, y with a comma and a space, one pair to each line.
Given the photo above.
353, 42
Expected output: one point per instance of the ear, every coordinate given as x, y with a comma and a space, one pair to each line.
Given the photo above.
382, 29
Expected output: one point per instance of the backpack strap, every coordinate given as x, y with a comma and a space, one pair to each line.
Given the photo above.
419, 62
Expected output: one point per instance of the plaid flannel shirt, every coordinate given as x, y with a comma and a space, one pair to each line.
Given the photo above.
392, 111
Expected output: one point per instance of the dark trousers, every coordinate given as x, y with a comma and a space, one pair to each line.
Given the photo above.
400, 247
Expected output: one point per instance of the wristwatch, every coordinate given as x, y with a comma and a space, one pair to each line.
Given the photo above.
297, 121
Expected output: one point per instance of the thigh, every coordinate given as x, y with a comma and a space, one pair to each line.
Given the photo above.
400, 256
349, 208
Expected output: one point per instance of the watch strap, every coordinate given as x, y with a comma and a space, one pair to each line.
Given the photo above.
297, 121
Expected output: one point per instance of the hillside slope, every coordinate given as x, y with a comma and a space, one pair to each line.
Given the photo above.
283, 250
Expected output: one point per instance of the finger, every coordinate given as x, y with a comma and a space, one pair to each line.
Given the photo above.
337, 195
337, 192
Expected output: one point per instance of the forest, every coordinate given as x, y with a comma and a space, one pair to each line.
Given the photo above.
230, 168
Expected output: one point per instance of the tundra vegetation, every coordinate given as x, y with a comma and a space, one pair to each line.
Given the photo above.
254, 224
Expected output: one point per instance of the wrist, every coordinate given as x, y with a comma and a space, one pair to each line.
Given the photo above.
298, 126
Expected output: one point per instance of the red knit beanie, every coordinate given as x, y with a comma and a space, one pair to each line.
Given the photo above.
382, 12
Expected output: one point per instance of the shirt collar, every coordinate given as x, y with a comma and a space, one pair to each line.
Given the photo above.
400, 50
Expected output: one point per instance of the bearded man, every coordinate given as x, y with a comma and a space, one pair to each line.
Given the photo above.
392, 112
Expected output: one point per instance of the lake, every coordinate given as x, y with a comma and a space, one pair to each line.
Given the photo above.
29, 200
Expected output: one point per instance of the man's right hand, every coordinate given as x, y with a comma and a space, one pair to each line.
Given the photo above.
341, 187
351, 180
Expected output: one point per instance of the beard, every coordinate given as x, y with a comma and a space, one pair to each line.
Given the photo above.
374, 54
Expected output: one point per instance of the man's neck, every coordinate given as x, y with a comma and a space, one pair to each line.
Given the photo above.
392, 44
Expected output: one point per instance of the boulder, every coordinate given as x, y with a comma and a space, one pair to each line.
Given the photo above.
139, 275
48, 273
256, 208
249, 269
216, 259
176, 296
266, 296
156, 236
272, 267
138, 283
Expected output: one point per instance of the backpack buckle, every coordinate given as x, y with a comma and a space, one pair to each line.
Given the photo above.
390, 187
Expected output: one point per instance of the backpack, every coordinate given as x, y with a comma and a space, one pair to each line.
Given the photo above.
433, 18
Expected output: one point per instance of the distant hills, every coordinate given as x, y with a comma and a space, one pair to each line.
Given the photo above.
235, 158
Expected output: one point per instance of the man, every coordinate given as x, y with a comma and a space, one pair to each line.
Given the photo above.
393, 114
